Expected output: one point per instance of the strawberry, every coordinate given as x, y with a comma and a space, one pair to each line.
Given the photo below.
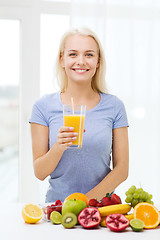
111, 200
106, 201
116, 199
49, 210
58, 206
58, 209
58, 203
99, 204
93, 202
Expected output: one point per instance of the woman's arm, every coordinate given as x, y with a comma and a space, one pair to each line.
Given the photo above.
45, 160
120, 155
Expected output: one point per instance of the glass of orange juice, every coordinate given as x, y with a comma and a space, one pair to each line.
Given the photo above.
74, 116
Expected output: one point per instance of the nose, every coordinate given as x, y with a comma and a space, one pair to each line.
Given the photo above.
81, 60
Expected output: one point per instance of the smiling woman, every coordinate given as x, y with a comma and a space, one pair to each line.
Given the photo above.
80, 64
91, 54
81, 70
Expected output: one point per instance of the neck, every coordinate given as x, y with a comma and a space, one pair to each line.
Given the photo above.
79, 92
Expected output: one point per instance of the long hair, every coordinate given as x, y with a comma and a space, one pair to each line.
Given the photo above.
98, 80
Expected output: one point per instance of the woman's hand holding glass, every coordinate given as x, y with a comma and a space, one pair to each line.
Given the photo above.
66, 136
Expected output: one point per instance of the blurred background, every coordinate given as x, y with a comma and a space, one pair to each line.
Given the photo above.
30, 31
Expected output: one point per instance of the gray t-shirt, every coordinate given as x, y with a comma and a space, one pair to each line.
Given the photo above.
79, 170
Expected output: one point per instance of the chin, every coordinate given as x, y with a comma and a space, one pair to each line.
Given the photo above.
83, 81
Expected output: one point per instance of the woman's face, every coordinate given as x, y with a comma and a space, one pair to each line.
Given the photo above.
80, 59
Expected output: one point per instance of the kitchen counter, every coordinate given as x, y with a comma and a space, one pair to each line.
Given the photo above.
12, 226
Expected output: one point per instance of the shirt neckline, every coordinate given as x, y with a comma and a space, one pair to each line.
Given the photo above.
90, 110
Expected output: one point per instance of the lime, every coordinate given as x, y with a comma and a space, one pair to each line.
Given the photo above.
55, 217
137, 225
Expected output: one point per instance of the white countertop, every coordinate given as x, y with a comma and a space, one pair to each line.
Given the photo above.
12, 226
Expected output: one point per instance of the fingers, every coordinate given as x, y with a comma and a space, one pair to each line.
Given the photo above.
66, 136
66, 139
66, 129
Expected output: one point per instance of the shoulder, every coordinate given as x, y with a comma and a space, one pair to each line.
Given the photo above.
112, 103
47, 102
115, 108
43, 107
110, 99
47, 99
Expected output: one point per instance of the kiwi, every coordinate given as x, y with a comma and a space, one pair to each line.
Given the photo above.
69, 220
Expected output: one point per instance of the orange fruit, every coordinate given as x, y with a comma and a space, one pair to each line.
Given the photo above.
31, 213
148, 213
78, 196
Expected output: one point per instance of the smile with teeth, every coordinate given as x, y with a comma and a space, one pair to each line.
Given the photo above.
79, 70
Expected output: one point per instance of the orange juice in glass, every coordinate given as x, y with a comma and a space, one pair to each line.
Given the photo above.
74, 116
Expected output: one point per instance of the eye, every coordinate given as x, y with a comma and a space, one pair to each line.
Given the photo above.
89, 54
72, 54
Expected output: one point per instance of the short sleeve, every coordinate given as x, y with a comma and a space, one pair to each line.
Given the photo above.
120, 116
38, 114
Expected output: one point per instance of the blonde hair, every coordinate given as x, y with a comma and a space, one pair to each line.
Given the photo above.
98, 80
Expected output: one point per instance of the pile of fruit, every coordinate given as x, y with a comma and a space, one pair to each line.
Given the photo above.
108, 212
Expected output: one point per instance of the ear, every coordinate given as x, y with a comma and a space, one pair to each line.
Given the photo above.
61, 60
98, 63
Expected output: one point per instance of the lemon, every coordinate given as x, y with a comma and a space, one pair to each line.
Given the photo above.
31, 213
137, 225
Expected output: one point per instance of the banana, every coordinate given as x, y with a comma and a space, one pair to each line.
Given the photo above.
103, 223
129, 216
117, 208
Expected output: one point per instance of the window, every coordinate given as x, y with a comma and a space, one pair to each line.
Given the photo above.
22, 69
9, 109
51, 33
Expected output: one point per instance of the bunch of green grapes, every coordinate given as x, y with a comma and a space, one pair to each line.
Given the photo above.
136, 195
